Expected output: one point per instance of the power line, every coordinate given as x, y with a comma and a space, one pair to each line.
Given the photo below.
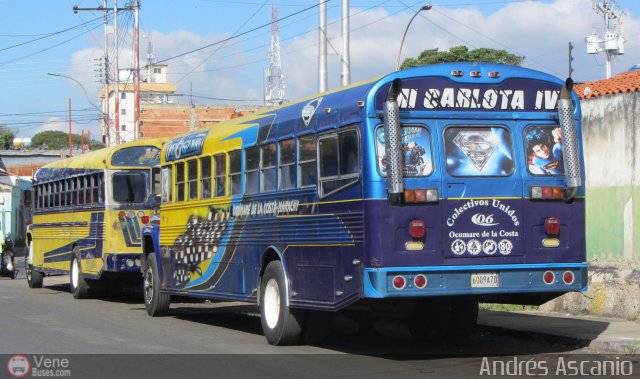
221, 47
48, 48
50, 34
241, 34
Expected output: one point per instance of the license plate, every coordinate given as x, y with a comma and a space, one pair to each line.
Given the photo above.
485, 280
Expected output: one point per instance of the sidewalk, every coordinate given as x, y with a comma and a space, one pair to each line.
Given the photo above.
608, 335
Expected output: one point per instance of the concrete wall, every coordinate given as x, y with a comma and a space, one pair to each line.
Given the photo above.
611, 138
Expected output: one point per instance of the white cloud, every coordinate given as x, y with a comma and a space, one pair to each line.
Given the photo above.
539, 31
54, 124
62, 125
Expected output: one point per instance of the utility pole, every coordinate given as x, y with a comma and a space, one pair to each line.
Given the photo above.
117, 69
613, 41
322, 56
346, 59
136, 71
70, 132
106, 116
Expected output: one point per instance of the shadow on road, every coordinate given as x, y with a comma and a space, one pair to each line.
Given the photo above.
392, 339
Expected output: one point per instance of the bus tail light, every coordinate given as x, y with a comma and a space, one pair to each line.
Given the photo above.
546, 193
549, 277
427, 195
399, 282
552, 226
420, 281
145, 219
417, 229
568, 277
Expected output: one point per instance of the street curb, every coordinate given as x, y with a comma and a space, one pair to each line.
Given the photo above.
602, 343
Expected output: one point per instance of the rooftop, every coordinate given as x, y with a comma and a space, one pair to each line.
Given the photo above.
628, 81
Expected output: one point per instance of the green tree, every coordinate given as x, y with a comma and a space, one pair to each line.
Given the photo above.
462, 54
6, 137
56, 140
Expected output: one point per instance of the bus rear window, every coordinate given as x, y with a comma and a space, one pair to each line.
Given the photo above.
478, 151
129, 187
416, 144
543, 146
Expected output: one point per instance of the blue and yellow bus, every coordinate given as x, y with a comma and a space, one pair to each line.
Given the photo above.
88, 214
425, 191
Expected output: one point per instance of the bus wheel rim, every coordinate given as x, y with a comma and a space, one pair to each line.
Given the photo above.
148, 287
74, 273
271, 303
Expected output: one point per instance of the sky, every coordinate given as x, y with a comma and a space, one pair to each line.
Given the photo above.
227, 42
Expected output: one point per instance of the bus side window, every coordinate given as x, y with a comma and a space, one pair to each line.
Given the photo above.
63, 193
287, 177
235, 176
56, 194
96, 189
221, 174
205, 177
339, 165
102, 191
179, 192
81, 190
251, 165
34, 192
307, 161
192, 178
166, 184
74, 192
268, 167
46, 195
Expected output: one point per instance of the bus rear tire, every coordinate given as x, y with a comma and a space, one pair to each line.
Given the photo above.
79, 287
281, 325
464, 317
317, 326
430, 319
34, 278
155, 302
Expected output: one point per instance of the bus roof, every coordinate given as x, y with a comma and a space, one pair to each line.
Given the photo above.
94, 160
339, 106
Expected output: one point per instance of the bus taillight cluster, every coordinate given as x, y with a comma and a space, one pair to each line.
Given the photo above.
549, 277
546, 193
428, 195
400, 282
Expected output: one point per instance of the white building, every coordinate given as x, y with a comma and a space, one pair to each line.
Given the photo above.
154, 89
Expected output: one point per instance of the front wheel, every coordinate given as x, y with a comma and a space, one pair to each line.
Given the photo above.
34, 278
79, 286
156, 302
281, 325
8, 266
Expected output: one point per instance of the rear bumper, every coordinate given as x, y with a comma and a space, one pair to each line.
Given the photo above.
457, 280
122, 262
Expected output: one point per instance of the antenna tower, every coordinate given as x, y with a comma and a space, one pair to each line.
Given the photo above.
274, 91
151, 57
613, 40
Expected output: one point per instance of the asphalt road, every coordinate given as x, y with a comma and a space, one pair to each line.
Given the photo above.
113, 335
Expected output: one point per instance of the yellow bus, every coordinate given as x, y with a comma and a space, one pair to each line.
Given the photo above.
87, 216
